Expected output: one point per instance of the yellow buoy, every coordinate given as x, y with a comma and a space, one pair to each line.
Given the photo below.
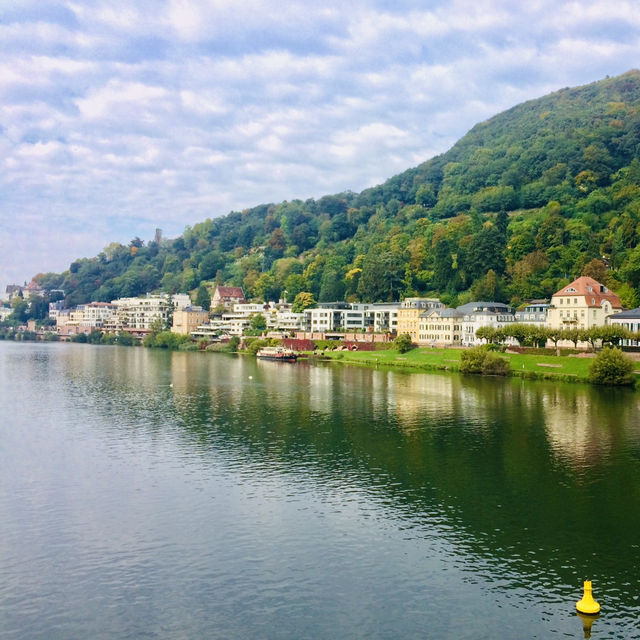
587, 605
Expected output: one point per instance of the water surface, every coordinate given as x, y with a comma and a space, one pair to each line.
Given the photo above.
147, 494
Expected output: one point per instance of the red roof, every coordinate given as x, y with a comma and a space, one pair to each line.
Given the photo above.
230, 292
593, 292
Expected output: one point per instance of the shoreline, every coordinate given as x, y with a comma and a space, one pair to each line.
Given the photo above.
562, 368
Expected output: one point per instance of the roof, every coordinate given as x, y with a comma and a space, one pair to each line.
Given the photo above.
230, 292
442, 313
594, 292
630, 314
480, 305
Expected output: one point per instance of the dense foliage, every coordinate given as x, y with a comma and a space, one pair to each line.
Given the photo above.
484, 361
526, 201
612, 367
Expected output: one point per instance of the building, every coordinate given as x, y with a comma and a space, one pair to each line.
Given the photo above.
440, 327
328, 317
95, 314
227, 297
55, 308
286, 321
409, 315
186, 320
382, 316
13, 291
629, 320
534, 313
483, 314
582, 304
137, 315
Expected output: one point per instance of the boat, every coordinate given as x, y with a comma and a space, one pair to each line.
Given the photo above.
280, 354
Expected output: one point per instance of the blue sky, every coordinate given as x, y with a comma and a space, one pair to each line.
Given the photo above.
118, 117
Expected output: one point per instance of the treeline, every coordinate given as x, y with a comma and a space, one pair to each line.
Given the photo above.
522, 204
537, 336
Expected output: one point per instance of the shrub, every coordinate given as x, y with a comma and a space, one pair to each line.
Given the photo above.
472, 360
403, 343
494, 365
482, 360
611, 367
125, 339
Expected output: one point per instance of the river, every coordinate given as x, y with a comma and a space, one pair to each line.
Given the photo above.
147, 494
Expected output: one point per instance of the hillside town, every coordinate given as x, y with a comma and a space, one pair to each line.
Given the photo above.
582, 304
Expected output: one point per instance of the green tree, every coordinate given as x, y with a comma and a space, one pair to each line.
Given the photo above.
203, 299
304, 300
403, 343
258, 322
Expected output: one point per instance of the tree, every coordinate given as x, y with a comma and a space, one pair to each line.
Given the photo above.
382, 276
595, 269
611, 367
304, 300
258, 322
403, 343
203, 299
489, 287
443, 271
485, 251
490, 334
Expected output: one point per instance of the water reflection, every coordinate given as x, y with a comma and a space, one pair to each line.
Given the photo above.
523, 488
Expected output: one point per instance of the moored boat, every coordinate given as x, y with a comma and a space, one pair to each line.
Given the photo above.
277, 353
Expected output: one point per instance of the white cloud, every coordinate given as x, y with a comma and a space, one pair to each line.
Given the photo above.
163, 113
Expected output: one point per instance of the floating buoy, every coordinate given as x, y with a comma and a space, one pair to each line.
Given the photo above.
587, 605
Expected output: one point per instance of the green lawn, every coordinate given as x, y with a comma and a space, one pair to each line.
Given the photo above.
530, 366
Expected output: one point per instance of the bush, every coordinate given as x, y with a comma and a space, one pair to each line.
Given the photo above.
471, 360
255, 345
482, 360
612, 367
125, 339
494, 365
188, 346
165, 340
403, 343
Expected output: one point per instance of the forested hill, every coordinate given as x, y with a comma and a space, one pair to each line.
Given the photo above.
524, 202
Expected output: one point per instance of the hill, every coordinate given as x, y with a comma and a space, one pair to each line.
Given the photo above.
524, 202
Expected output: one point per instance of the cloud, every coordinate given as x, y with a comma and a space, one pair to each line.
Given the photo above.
163, 113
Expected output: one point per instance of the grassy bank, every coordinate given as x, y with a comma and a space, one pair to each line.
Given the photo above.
534, 367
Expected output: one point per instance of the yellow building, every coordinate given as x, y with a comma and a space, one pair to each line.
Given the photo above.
409, 315
187, 319
583, 304
440, 327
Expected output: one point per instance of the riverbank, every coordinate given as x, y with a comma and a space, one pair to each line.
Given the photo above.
566, 368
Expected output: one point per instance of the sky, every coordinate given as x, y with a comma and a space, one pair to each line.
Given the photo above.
120, 117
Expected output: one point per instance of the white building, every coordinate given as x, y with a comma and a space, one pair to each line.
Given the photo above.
534, 313
483, 314
382, 316
630, 320
285, 321
328, 317
139, 314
